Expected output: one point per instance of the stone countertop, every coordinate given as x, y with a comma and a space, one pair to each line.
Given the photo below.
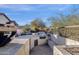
21, 40
10, 49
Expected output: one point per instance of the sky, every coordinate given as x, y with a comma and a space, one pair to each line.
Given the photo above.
25, 13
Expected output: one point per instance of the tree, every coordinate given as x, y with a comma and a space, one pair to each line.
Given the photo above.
26, 28
57, 22
62, 20
72, 20
37, 24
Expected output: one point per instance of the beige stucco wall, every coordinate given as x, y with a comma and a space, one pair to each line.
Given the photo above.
71, 42
64, 41
31, 44
42, 41
21, 51
32, 39
58, 50
25, 43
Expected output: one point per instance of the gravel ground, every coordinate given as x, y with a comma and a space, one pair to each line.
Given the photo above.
41, 50
73, 50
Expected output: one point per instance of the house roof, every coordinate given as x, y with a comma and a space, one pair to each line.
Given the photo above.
15, 23
5, 16
8, 19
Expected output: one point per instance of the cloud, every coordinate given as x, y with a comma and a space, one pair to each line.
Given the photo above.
61, 9
26, 12
58, 7
33, 7
16, 7
66, 7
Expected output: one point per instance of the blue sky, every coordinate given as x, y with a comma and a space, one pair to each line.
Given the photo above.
25, 13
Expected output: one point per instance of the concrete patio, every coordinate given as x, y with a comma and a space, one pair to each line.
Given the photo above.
41, 50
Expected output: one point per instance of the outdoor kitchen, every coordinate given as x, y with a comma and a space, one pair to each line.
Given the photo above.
21, 45
37, 38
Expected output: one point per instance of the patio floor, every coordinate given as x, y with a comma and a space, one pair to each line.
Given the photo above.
41, 50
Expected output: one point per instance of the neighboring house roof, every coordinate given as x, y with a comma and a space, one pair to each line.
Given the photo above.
4, 19
15, 23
